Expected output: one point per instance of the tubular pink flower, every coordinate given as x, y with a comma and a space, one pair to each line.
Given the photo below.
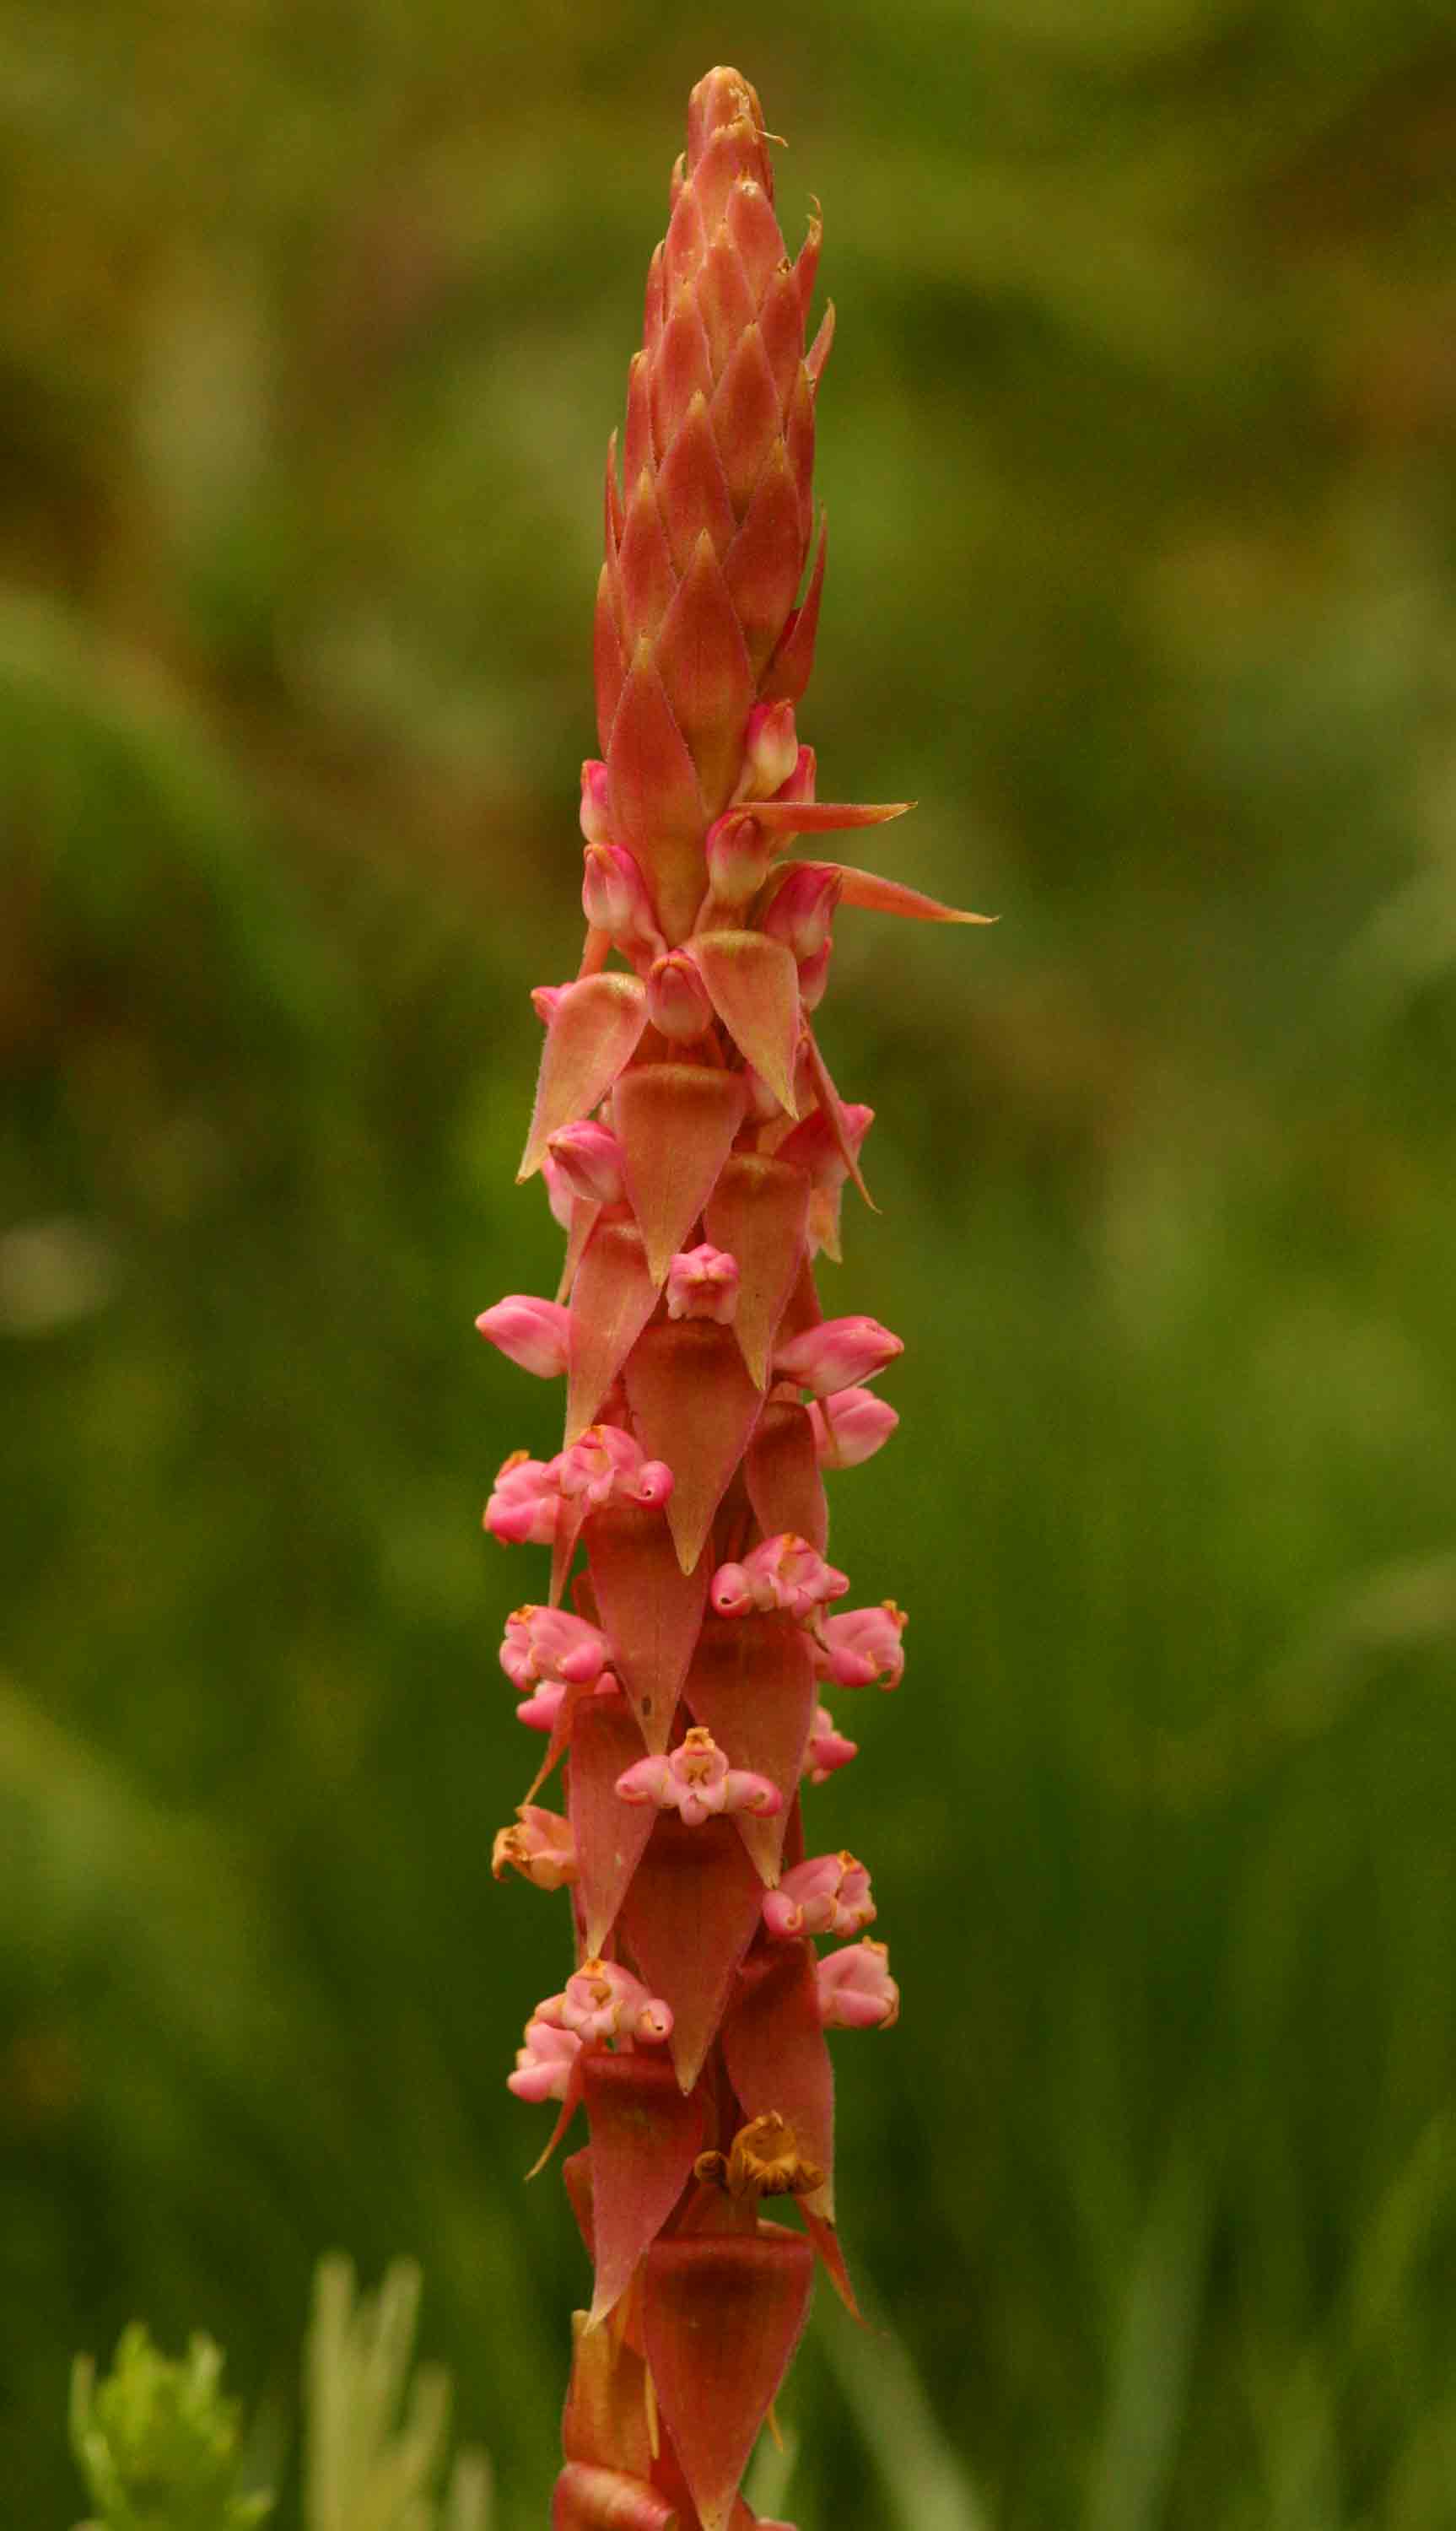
524, 1505
702, 1283
695, 1780
827, 1895
861, 1647
785, 1573
605, 2001
856, 1988
850, 1425
837, 1354
552, 1644
827, 1749
587, 1158
544, 2064
531, 1333
541, 1846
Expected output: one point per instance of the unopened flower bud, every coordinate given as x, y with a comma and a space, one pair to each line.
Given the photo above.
837, 1354
802, 913
677, 997
849, 1426
530, 1332
738, 857
770, 751
615, 899
814, 976
596, 819
702, 1283
588, 1159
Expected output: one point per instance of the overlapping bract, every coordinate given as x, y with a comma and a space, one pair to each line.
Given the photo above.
694, 1151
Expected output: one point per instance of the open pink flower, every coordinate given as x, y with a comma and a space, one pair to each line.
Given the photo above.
605, 2001
856, 1988
702, 1283
552, 1644
544, 2062
827, 1749
829, 1893
784, 1572
525, 1503
861, 1647
607, 1465
695, 1780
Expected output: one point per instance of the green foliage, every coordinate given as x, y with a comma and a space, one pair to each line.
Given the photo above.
157, 2441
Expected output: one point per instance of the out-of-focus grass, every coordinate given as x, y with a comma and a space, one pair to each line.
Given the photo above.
1138, 447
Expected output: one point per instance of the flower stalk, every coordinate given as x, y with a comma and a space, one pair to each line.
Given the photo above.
694, 1151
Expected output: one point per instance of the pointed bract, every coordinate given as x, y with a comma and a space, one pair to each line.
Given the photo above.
721, 2318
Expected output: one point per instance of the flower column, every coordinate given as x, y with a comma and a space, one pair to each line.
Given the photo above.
694, 1151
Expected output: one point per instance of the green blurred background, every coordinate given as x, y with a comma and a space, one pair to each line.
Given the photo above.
1137, 448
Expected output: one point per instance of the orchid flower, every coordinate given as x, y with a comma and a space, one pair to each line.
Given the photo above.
696, 1152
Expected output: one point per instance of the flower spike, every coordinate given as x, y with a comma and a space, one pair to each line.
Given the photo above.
694, 1151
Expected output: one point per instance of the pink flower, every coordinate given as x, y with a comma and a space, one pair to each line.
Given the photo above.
802, 913
702, 1283
827, 1895
677, 997
526, 1503
836, 1354
850, 1425
828, 1750
856, 1988
861, 1647
697, 1780
539, 1846
738, 857
588, 1158
607, 1465
552, 1644
544, 2066
604, 2001
770, 751
615, 899
533, 1334
784, 1572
